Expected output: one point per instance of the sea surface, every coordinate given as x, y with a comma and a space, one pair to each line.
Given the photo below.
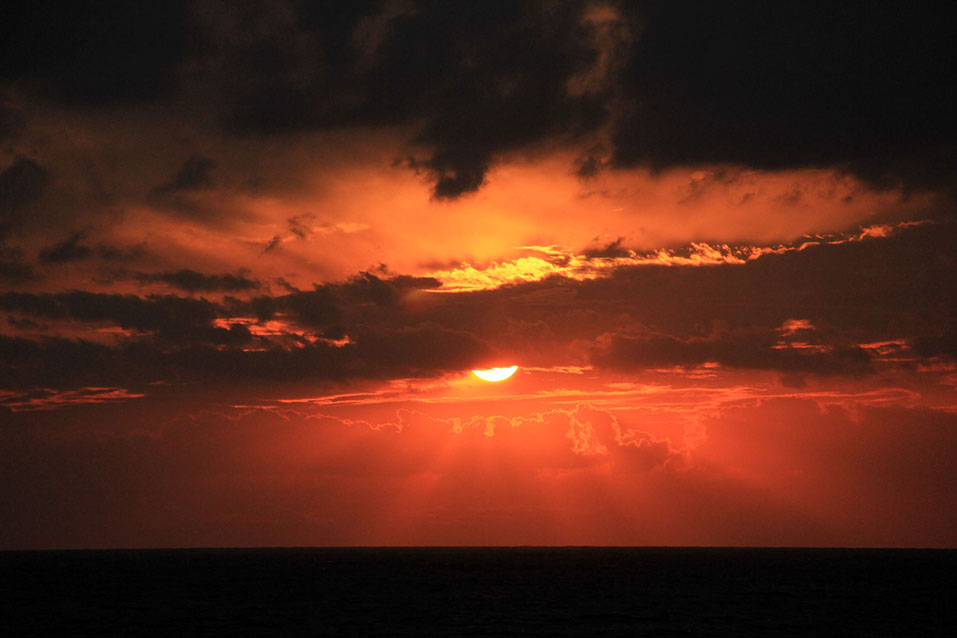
522, 591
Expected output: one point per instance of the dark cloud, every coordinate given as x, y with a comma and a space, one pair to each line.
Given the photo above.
70, 249
179, 192
195, 174
177, 338
364, 297
877, 289
484, 79
851, 294
851, 86
94, 54
840, 297
298, 227
218, 355
587, 166
848, 85
165, 315
272, 244
422, 351
15, 271
192, 281
366, 287
56, 363
939, 345
319, 307
21, 184
455, 174
108, 252
610, 250
757, 350
419, 351
11, 122
13, 266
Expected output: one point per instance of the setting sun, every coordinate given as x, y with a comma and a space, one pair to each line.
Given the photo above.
495, 374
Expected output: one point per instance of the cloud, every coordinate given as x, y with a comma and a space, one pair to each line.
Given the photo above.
15, 271
96, 55
166, 315
652, 84
70, 249
21, 184
27, 364
11, 122
193, 281
934, 345
753, 349
196, 174
300, 227
422, 350
325, 304
108, 252
768, 88
471, 82
837, 300
184, 189
13, 266
48, 399
601, 260
609, 250
166, 336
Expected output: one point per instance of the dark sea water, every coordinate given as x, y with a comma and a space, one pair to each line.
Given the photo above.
480, 592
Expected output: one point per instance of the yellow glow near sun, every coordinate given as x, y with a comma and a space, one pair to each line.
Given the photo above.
495, 374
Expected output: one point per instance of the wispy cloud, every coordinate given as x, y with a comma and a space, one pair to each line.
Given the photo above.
542, 262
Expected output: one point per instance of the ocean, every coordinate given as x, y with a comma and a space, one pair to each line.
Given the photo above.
521, 591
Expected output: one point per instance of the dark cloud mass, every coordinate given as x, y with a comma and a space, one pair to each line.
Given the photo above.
179, 338
485, 79
21, 184
196, 173
842, 297
192, 281
15, 271
94, 53
855, 86
13, 266
70, 249
753, 349
166, 315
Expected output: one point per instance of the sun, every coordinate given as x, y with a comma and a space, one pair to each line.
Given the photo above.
495, 374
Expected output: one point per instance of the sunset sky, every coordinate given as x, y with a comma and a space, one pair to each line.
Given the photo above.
251, 252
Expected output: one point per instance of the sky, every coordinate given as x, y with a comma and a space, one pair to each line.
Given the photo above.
250, 254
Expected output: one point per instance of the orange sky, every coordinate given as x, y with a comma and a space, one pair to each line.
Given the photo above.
236, 320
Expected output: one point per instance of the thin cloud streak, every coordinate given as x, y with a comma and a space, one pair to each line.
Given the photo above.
563, 262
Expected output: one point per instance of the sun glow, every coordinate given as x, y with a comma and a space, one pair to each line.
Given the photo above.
495, 374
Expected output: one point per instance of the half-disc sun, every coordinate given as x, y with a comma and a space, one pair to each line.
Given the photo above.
495, 374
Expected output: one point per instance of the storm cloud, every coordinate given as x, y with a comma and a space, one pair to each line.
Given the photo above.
853, 87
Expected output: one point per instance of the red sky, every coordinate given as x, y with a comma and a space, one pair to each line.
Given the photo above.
248, 259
